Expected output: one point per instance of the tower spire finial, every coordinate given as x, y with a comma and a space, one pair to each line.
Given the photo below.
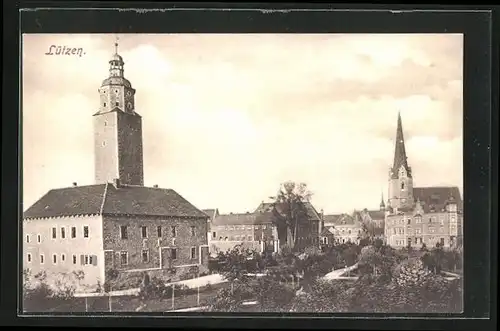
400, 158
116, 44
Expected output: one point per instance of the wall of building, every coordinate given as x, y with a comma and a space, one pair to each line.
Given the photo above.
106, 147
159, 248
344, 233
428, 229
130, 149
399, 196
71, 254
242, 232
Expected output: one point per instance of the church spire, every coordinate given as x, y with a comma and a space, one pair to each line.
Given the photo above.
382, 204
400, 158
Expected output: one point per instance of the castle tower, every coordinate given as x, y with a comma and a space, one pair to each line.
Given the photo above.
117, 130
400, 176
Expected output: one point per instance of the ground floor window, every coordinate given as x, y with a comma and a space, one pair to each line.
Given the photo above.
124, 258
145, 255
193, 252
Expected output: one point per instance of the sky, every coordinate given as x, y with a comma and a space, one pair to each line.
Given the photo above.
228, 117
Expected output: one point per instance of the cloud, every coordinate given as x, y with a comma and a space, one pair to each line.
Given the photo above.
226, 118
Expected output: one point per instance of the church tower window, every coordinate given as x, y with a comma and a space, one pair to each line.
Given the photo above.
402, 185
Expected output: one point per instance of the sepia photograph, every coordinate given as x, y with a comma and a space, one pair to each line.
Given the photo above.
286, 173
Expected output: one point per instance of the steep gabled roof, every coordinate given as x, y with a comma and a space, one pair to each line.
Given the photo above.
342, 219
311, 211
436, 198
106, 199
212, 213
400, 158
376, 214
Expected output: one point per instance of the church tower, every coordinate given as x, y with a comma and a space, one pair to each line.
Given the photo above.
117, 130
400, 176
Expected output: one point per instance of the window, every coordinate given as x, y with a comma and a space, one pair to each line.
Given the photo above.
418, 219
409, 221
145, 255
441, 241
174, 254
117, 104
54, 258
123, 232
158, 231
85, 232
403, 186
144, 231
214, 235
86, 259
431, 230
105, 104
73, 232
74, 259
441, 229
193, 252
249, 238
264, 227
39, 238
63, 257
124, 258
418, 231
54, 233
63, 233
104, 143
42, 259
174, 231
27, 238
29, 258
193, 231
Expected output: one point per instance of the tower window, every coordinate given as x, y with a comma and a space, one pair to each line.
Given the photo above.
403, 186
103, 143
105, 104
117, 104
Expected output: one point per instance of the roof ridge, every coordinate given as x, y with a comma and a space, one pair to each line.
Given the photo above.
104, 198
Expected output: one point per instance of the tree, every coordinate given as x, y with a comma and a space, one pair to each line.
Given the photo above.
290, 212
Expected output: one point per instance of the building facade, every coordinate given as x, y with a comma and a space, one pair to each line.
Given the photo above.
420, 215
345, 228
116, 224
248, 230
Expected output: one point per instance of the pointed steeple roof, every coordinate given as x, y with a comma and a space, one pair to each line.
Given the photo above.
382, 203
400, 158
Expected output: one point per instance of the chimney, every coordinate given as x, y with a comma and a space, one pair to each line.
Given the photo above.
75, 184
116, 182
155, 185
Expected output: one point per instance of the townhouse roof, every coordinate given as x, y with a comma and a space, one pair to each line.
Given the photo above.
111, 199
437, 197
242, 219
312, 214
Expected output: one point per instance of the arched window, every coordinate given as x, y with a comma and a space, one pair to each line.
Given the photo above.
403, 185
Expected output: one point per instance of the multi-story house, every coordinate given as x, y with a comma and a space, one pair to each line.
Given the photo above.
344, 227
248, 230
420, 215
212, 214
308, 232
118, 223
